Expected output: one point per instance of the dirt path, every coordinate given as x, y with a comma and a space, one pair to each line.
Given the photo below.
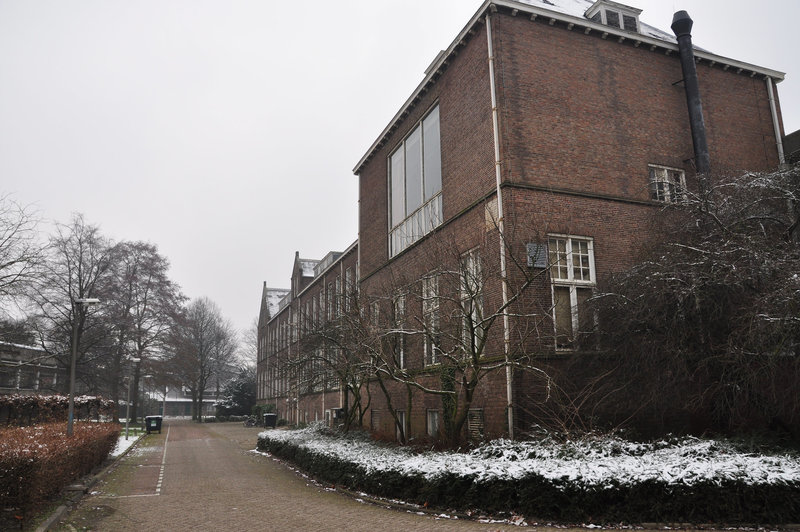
211, 481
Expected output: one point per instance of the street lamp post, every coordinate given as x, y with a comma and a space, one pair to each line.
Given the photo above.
76, 303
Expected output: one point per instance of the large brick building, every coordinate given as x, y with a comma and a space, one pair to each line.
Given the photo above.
293, 369
526, 166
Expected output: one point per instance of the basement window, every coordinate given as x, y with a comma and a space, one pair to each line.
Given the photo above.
615, 15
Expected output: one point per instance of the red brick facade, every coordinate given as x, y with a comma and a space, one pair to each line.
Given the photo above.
321, 290
583, 111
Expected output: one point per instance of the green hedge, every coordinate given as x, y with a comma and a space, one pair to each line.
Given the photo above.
26, 410
540, 498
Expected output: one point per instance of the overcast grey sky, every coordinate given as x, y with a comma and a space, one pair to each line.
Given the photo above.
225, 131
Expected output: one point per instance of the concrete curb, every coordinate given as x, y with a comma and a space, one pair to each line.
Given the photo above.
76, 492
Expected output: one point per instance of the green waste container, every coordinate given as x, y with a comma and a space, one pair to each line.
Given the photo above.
270, 419
152, 424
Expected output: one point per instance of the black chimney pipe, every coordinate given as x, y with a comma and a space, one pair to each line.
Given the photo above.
682, 27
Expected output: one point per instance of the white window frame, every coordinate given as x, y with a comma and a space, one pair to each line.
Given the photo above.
570, 281
472, 297
603, 8
348, 288
433, 423
375, 313
673, 189
399, 304
430, 319
401, 420
338, 297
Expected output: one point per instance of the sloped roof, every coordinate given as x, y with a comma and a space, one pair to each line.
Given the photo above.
270, 302
274, 296
307, 267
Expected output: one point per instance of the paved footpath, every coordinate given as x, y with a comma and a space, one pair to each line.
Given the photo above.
204, 477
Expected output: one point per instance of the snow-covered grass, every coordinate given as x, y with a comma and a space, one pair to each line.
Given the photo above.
602, 462
125, 444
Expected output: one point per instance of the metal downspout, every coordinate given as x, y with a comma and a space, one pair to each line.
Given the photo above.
682, 27
775, 124
500, 227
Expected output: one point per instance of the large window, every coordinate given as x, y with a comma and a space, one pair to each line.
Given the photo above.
433, 423
430, 318
666, 184
573, 276
472, 301
348, 288
415, 179
399, 324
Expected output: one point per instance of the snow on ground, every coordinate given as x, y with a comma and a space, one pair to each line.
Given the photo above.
592, 461
123, 444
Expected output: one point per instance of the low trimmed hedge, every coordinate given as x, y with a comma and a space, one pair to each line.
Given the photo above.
540, 498
223, 419
22, 410
37, 462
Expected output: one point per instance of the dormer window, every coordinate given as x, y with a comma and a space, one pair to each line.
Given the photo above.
615, 15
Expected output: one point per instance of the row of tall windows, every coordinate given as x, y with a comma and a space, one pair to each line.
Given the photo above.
572, 275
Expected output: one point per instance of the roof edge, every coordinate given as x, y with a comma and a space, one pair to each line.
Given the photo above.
778, 76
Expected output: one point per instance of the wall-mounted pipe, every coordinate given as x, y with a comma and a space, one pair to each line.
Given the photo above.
501, 229
775, 124
682, 27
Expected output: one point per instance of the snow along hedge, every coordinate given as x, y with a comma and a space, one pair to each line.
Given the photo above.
606, 479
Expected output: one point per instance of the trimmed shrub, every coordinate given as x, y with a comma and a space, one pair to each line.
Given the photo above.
560, 499
36, 462
223, 419
31, 409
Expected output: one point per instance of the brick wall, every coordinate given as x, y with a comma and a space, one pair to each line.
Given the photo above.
581, 117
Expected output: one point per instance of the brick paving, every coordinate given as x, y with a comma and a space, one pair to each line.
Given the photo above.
212, 482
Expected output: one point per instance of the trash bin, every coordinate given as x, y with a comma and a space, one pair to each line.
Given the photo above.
270, 420
152, 424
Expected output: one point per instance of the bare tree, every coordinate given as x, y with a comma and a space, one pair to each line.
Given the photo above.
141, 302
203, 345
334, 355
248, 345
451, 313
78, 259
20, 250
707, 325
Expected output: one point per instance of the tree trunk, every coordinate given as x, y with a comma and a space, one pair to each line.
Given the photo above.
135, 392
201, 389
116, 366
194, 403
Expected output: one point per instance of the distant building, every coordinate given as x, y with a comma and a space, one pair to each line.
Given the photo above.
26, 369
792, 146
178, 402
321, 291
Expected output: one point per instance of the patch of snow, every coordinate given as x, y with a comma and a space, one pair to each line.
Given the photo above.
602, 462
123, 444
274, 296
577, 8
307, 267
